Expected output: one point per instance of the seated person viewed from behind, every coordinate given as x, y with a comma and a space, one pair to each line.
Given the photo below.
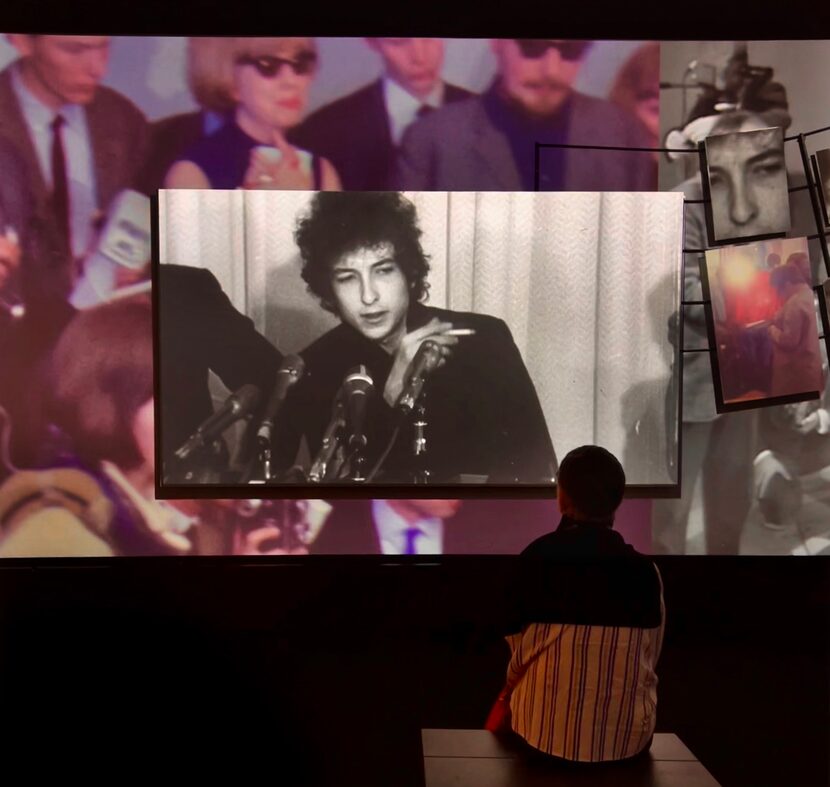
262, 83
362, 257
96, 497
588, 616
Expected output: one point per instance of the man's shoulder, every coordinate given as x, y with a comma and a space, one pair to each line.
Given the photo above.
352, 105
110, 103
600, 117
474, 320
185, 273
465, 115
178, 283
184, 124
455, 93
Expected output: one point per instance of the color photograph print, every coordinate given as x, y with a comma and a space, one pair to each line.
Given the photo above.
746, 180
763, 323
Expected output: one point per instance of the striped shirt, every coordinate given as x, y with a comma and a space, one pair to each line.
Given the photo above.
585, 692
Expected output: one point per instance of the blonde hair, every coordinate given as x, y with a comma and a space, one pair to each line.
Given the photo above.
211, 62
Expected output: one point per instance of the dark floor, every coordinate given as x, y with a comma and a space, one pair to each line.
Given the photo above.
326, 672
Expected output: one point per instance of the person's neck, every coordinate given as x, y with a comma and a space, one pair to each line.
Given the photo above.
261, 132
403, 509
419, 95
573, 519
37, 87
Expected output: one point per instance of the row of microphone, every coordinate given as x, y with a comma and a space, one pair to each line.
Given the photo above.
346, 429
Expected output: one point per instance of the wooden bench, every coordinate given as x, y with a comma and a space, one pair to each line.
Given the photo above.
477, 758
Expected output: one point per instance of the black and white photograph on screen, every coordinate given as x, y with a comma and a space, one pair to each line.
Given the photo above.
432, 337
706, 88
823, 168
765, 321
746, 179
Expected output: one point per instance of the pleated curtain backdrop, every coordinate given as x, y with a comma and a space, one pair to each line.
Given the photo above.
587, 283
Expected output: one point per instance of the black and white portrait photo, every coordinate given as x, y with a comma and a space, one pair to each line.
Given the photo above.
765, 323
747, 179
823, 165
419, 337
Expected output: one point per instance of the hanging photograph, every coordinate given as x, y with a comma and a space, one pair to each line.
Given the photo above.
822, 159
746, 179
764, 324
457, 339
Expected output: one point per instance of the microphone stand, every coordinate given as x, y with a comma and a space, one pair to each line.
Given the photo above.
421, 473
357, 464
320, 468
198, 466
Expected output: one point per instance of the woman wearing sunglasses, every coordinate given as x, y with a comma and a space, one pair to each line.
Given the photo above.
263, 84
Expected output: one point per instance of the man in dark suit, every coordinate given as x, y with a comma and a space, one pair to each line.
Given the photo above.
16, 207
81, 144
488, 143
360, 133
363, 258
201, 331
432, 527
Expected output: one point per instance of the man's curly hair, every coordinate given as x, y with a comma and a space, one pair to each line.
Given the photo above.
341, 222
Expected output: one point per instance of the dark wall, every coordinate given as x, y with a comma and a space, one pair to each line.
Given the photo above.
330, 668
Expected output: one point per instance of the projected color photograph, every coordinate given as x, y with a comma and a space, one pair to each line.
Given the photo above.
765, 321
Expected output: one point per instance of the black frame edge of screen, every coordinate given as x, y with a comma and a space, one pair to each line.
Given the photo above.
702, 20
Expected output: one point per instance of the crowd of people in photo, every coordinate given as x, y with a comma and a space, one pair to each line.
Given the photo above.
71, 147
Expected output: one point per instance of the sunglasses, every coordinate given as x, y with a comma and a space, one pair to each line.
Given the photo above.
536, 47
269, 66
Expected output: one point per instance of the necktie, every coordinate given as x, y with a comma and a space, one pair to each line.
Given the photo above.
60, 186
424, 110
411, 534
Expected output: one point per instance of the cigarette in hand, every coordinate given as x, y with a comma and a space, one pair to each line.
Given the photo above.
460, 332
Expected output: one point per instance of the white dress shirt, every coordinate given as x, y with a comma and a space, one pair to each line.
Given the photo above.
391, 528
402, 107
77, 147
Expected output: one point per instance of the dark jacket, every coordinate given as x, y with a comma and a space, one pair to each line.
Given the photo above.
584, 573
459, 148
118, 137
201, 331
483, 415
353, 134
169, 138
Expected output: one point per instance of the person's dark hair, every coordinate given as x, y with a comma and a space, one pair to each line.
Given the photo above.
338, 223
784, 275
733, 120
101, 375
593, 481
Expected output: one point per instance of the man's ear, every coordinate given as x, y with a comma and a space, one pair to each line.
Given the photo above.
565, 504
24, 44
